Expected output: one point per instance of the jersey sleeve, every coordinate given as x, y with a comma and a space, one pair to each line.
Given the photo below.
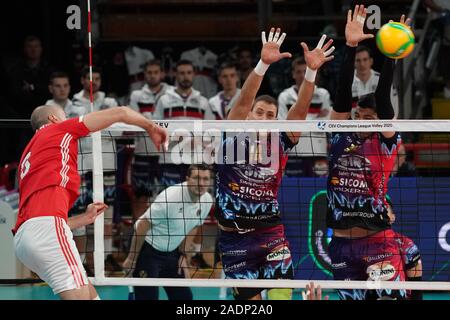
75, 127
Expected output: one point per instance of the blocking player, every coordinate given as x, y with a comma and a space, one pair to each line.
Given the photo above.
363, 245
252, 240
49, 185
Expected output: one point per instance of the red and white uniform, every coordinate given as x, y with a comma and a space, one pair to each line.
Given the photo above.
48, 187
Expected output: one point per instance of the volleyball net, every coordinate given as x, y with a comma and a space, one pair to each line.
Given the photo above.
125, 170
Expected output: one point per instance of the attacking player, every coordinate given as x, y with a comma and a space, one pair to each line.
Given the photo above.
48, 186
363, 246
252, 240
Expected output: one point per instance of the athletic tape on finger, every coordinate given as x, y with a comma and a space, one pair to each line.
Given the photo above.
270, 38
263, 37
321, 41
280, 41
329, 51
276, 36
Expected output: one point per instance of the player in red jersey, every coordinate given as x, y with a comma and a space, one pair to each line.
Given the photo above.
48, 187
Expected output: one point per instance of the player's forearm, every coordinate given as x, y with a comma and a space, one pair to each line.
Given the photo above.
300, 109
246, 98
100, 120
77, 221
385, 110
344, 88
141, 228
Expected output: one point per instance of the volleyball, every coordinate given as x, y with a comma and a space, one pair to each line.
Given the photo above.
395, 40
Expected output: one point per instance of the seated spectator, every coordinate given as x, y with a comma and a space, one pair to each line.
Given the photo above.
59, 87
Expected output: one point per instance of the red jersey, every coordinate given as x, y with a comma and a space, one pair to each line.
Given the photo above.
50, 160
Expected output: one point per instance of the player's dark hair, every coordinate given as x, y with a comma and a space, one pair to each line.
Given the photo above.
201, 167
58, 74
154, 62
368, 101
298, 62
227, 65
267, 99
85, 71
183, 62
364, 48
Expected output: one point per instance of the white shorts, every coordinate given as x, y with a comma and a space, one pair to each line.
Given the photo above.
45, 245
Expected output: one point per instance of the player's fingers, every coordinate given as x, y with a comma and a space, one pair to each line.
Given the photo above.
319, 293
408, 22
263, 37
305, 47
321, 41
277, 35
286, 55
280, 41
362, 11
368, 36
355, 13
349, 16
327, 45
329, 58
270, 38
391, 21
327, 53
402, 18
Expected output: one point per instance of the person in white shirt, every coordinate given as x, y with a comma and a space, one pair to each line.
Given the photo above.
161, 231
146, 168
366, 79
308, 157
223, 101
182, 103
59, 87
204, 62
136, 58
81, 106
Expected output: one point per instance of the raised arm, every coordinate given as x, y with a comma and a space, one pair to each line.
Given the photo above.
88, 217
270, 53
385, 110
99, 120
354, 33
141, 227
314, 60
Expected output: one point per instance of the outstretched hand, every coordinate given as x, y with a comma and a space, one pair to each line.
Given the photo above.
313, 293
317, 57
354, 29
270, 51
406, 22
159, 137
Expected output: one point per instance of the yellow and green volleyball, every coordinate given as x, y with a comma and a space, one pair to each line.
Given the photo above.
395, 40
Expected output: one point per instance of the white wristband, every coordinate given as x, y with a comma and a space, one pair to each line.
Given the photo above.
310, 75
261, 68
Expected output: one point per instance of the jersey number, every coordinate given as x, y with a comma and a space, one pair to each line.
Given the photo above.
25, 167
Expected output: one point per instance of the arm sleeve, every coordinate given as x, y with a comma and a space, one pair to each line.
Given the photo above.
75, 127
344, 88
385, 110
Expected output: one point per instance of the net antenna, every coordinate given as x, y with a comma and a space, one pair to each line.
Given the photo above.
97, 172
